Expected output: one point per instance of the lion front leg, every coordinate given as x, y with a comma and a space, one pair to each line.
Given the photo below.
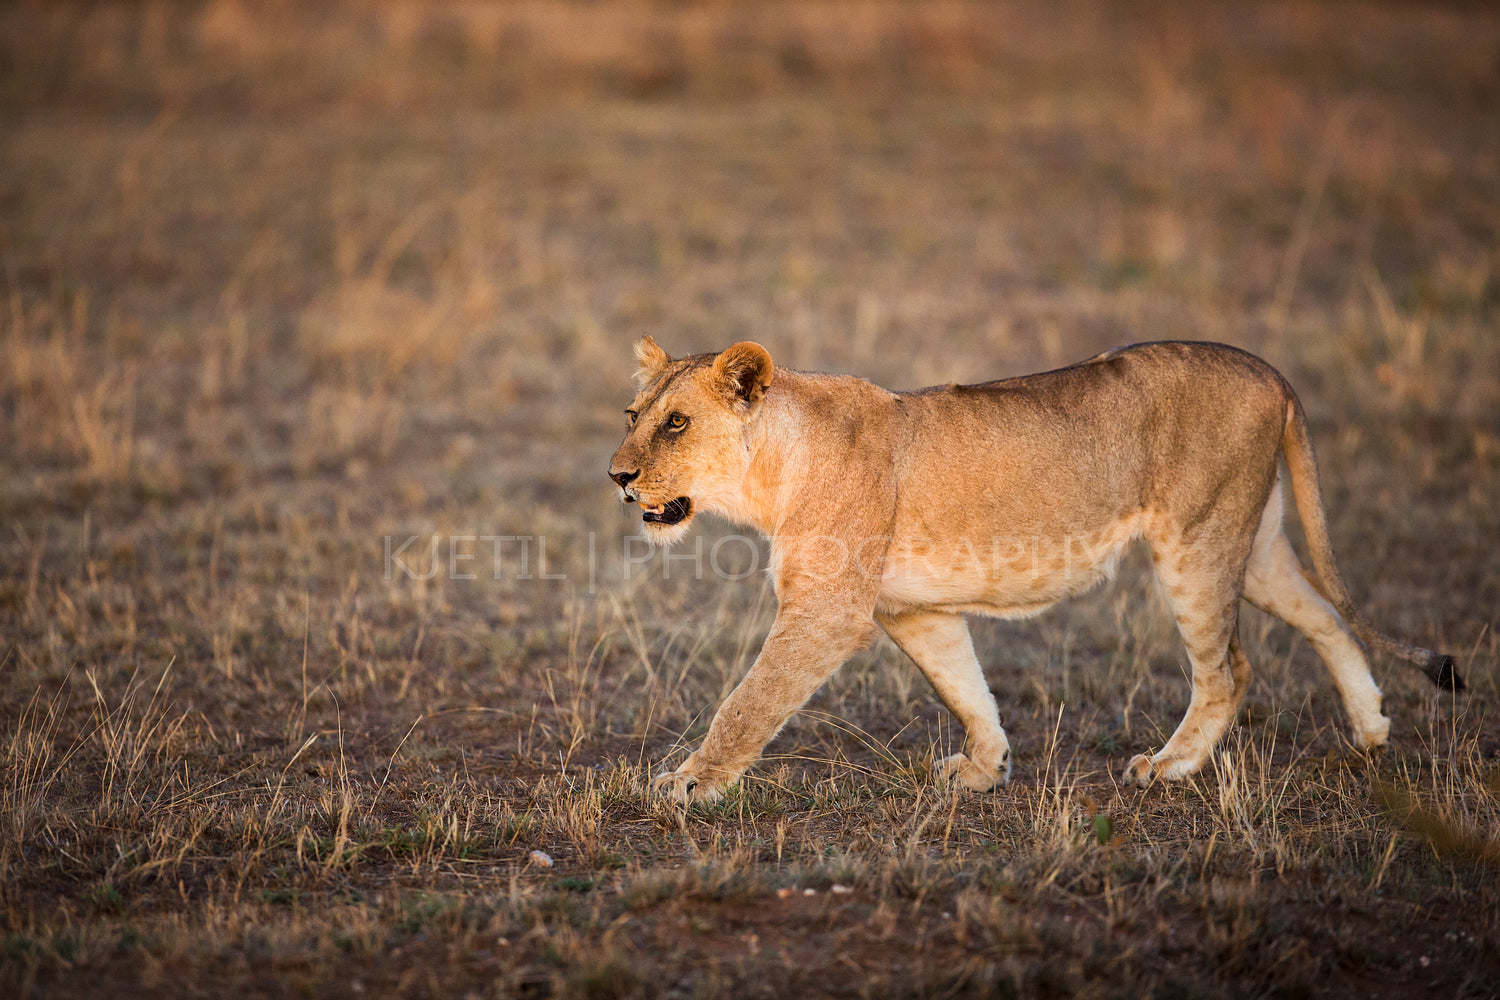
939, 644
799, 654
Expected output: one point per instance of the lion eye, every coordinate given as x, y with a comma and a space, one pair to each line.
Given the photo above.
677, 421
630, 416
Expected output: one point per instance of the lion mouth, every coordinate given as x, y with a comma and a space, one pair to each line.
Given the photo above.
670, 513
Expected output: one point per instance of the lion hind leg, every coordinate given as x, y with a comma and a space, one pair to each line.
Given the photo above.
1205, 600
1276, 583
939, 644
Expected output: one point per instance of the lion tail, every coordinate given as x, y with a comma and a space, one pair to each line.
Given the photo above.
1296, 445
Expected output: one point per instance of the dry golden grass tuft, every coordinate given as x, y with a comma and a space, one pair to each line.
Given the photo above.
317, 619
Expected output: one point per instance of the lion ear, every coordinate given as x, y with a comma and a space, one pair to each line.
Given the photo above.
650, 359
744, 371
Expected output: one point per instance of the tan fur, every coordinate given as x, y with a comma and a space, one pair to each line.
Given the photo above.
910, 510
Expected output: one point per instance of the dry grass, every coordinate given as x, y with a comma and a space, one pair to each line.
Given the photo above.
284, 287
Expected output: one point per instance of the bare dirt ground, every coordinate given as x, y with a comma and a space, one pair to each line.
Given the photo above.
318, 616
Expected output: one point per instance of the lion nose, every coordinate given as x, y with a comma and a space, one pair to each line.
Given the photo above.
624, 478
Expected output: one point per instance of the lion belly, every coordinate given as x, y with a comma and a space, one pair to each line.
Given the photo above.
1000, 575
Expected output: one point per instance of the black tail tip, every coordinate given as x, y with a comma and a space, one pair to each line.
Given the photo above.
1440, 669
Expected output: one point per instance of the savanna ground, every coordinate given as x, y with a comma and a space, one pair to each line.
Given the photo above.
286, 287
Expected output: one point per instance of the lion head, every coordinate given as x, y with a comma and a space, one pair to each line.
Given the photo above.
685, 447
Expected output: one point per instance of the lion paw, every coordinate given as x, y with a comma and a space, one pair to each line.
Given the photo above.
690, 783
1373, 736
1143, 770
684, 789
959, 771
1137, 772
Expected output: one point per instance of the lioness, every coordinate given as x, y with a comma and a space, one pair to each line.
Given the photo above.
911, 509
